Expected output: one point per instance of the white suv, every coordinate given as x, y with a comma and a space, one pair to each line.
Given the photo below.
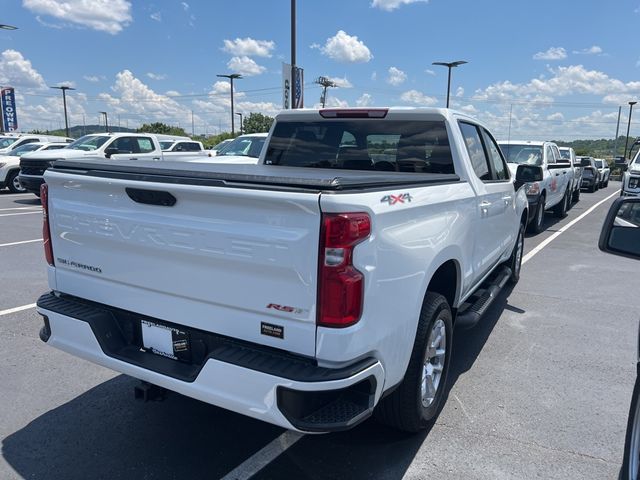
10, 163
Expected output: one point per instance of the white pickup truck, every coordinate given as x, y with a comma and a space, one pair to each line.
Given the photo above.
304, 291
550, 186
112, 146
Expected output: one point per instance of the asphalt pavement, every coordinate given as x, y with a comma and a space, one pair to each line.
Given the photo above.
539, 389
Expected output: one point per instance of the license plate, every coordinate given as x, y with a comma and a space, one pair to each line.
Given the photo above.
165, 341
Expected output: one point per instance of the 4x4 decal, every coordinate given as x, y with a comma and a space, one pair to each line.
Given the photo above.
393, 199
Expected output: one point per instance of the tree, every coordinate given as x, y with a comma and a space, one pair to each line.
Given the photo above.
257, 123
162, 128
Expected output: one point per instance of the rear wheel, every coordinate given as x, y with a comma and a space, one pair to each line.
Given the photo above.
515, 261
536, 225
13, 183
417, 400
576, 195
592, 188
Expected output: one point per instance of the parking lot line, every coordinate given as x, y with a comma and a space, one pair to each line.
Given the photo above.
264, 456
14, 195
21, 213
546, 242
20, 243
17, 309
34, 207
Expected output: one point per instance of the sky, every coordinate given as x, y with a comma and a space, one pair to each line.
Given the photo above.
536, 70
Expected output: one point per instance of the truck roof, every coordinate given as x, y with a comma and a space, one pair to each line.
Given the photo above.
535, 143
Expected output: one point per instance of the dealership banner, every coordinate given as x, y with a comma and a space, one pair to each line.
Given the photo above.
8, 108
292, 97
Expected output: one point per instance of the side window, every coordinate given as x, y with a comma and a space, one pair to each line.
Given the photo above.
476, 151
123, 144
549, 154
193, 147
145, 145
556, 152
54, 147
501, 172
24, 142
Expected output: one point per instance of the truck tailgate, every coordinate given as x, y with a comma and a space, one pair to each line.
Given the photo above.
229, 260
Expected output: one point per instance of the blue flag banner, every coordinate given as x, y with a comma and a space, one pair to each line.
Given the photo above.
8, 108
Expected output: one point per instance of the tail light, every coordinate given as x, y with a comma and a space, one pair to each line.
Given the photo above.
46, 232
341, 285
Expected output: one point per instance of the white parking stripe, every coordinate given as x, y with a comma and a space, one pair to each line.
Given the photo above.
20, 243
21, 213
24, 195
17, 309
535, 251
35, 207
263, 457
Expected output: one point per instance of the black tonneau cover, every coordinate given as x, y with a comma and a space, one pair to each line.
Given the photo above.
252, 176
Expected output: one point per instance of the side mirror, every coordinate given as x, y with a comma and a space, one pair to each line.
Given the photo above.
110, 151
621, 163
620, 233
527, 174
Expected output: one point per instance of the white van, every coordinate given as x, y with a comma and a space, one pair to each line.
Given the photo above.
11, 141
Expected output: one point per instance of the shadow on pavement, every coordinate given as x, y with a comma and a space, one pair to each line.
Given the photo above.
105, 433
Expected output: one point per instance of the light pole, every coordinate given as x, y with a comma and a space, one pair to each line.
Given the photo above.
231, 78
450, 65
293, 54
106, 121
240, 115
64, 89
626, 141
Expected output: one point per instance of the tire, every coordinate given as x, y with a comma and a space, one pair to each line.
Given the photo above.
576, 196
409, 407
14, 184
606, 184
538, 220
560, 210
592, 188
515, 261
632, 440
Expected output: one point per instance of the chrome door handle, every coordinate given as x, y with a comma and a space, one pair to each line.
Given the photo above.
484, 207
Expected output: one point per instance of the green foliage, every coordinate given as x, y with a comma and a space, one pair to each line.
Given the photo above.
601, 148
256, 123
210, 142
162, 128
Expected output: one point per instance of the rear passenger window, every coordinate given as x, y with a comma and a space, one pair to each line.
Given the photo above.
500, 170
549, 154
145, 145
476, 151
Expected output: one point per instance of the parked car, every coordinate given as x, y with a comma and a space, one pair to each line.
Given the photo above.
605, 171
10, 142
249, 145
10, 163
591, 176
113, 146
321, 284
620, 235
631, 177
550, 187
220, 146
567, 154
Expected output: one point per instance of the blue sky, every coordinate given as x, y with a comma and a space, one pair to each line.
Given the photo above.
538, 70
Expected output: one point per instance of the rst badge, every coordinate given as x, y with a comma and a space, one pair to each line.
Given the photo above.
394, 199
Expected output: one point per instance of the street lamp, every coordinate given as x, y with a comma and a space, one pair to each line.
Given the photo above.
7, 27
631, 104
240, 115
64, 89
106, 121
231, 78
449, 65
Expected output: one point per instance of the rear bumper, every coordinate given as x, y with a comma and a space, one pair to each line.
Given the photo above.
31, 183
588, 182
286, 390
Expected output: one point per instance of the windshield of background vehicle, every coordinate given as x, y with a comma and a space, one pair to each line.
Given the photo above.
27, 147
5, 142
243, 147
88, 142
400, 146
565, 153
527, 154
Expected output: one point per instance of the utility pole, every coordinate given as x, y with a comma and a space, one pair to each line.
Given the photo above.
449, 65
231, 78
293, 54
64, 89
240, 115
325, 83
631, 104
615, 144
106, 121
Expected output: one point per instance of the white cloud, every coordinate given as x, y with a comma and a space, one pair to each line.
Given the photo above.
469, 109
66, 83
389, 5
185, 6
555, 116
365, 100
249, 47
17, 71
459, 92
245, 66
343, 47
341, 82
335, 102
594, 50
418, 98
554, 53
172, 93
396, 76
157, 16
221, 87
91, 78
157, 76
109, 16
430, 72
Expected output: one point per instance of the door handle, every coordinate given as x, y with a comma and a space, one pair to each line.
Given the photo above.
133, 158
507, 200
557, 174
484, 207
